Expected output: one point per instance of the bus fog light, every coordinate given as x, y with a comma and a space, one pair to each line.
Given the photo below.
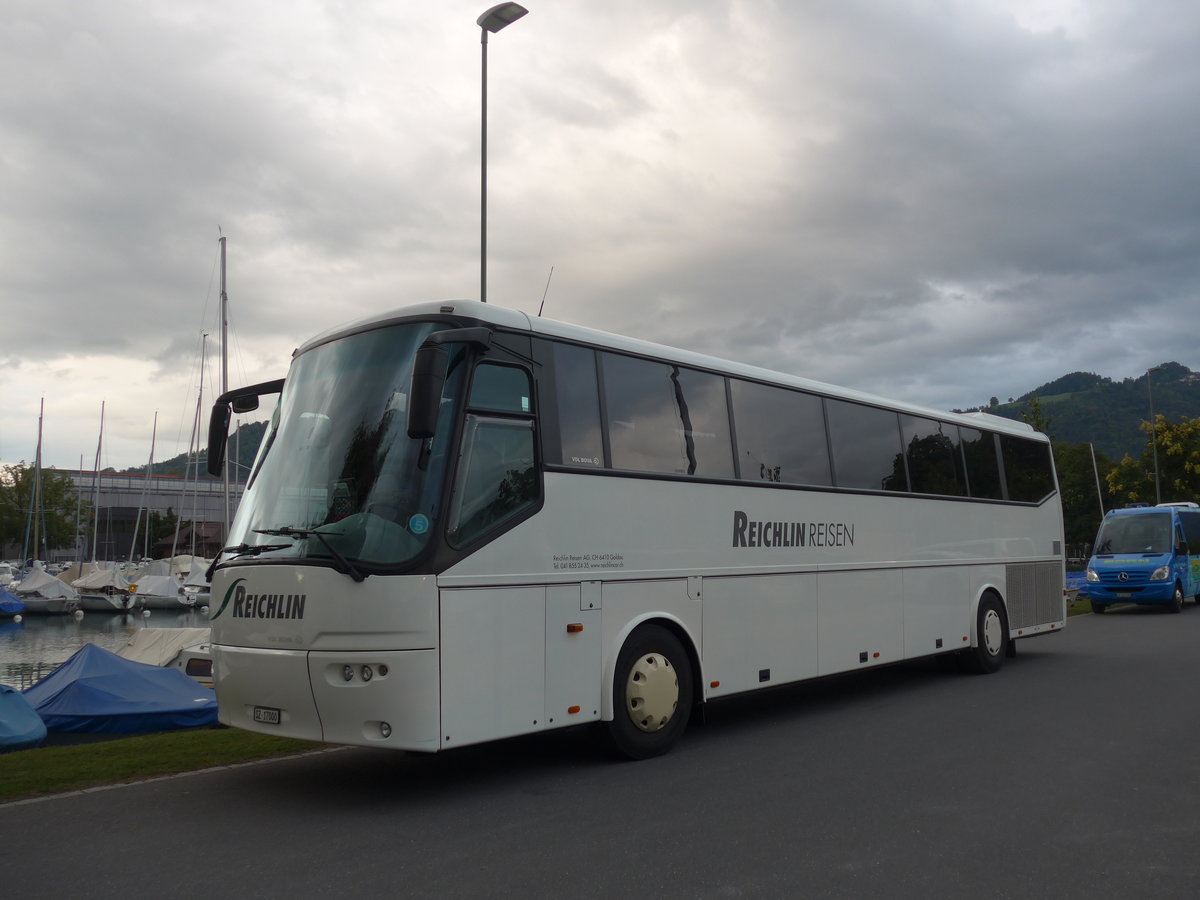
367, 673
385, 729
1162, 573
348, 673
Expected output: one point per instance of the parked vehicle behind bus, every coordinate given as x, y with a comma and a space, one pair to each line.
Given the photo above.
1148, 555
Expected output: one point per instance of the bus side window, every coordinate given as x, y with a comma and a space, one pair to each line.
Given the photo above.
578, 406
780, 434
866, 447
983, 468
1028, 468
496, 476
931, 448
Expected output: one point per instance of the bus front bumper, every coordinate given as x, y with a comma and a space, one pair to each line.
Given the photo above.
368, 698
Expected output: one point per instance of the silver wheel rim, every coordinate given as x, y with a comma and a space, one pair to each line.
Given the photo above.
993, 632
651, 692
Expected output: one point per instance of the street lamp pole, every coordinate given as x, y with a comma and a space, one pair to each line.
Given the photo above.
1153, 430
493, 20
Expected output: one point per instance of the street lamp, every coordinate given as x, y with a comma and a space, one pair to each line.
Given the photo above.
493, 20
1153, 430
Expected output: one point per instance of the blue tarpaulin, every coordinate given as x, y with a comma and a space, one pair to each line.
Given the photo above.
97, 692
10, 603
20, 726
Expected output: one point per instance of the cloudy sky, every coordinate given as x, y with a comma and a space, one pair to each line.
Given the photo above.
935, 200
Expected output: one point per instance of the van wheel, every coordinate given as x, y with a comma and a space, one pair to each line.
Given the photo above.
1099, 608
1176, 603
991, 626
652, 694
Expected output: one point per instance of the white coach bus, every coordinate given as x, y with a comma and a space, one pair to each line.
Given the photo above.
465, 523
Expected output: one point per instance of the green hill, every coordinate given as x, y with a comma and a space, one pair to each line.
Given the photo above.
243, 445
1083, 407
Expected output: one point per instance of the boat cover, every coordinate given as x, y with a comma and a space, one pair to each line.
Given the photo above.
20, 726
158, 646
100, 578
45, 585
157, 585
10, 604
98, 692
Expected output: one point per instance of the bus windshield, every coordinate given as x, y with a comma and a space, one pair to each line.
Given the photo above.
1135, 534
337, 475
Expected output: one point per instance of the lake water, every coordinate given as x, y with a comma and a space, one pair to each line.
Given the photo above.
34, 647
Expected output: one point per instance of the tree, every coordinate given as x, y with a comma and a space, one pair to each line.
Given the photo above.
1077, 487
58, 507
1035, 417
1133, 480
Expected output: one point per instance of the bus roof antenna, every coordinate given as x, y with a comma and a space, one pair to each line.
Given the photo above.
545, 292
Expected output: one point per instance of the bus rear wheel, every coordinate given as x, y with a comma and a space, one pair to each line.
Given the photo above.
991, 628
652, 694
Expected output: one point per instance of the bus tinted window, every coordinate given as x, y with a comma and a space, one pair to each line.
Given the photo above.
866, 447
983, 469
780, 434
931, 448
1028, 468
578, 406
664, 418
502, 388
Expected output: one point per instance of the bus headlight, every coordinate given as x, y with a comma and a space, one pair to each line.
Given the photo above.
1092, 577
1162, 573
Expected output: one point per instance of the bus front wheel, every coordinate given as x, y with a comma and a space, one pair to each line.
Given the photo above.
652, 694
991, 628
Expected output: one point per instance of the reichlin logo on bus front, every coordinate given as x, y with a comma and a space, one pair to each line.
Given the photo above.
261, 606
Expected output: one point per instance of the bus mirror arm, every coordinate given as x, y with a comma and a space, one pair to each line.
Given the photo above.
429, 376
240, 400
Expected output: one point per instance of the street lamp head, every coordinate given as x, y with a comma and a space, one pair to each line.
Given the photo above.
500, 16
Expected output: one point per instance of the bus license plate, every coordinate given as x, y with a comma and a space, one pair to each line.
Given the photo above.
268, 715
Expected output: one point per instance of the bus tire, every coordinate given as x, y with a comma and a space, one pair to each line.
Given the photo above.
652, 694
1176, 602
991, 628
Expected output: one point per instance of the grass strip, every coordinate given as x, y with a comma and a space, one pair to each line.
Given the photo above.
51, 770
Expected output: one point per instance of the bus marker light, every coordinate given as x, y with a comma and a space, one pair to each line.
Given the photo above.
875, 655
571, 710
367, 673
574, 628
383, 670
714, 684
348, 673
385, 729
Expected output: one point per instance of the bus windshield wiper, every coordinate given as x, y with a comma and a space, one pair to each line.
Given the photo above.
288, 531
241, 550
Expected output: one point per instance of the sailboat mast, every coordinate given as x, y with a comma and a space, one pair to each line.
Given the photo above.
224, 385
34, 521
96, 486
187, 468
145, 491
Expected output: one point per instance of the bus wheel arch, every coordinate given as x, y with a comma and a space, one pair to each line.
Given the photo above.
653, 690
991, 636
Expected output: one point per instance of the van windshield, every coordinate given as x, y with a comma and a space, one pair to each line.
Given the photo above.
1150, 533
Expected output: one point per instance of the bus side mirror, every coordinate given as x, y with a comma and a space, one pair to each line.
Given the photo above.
425, 392
218, 434
245, 404
1181, 549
